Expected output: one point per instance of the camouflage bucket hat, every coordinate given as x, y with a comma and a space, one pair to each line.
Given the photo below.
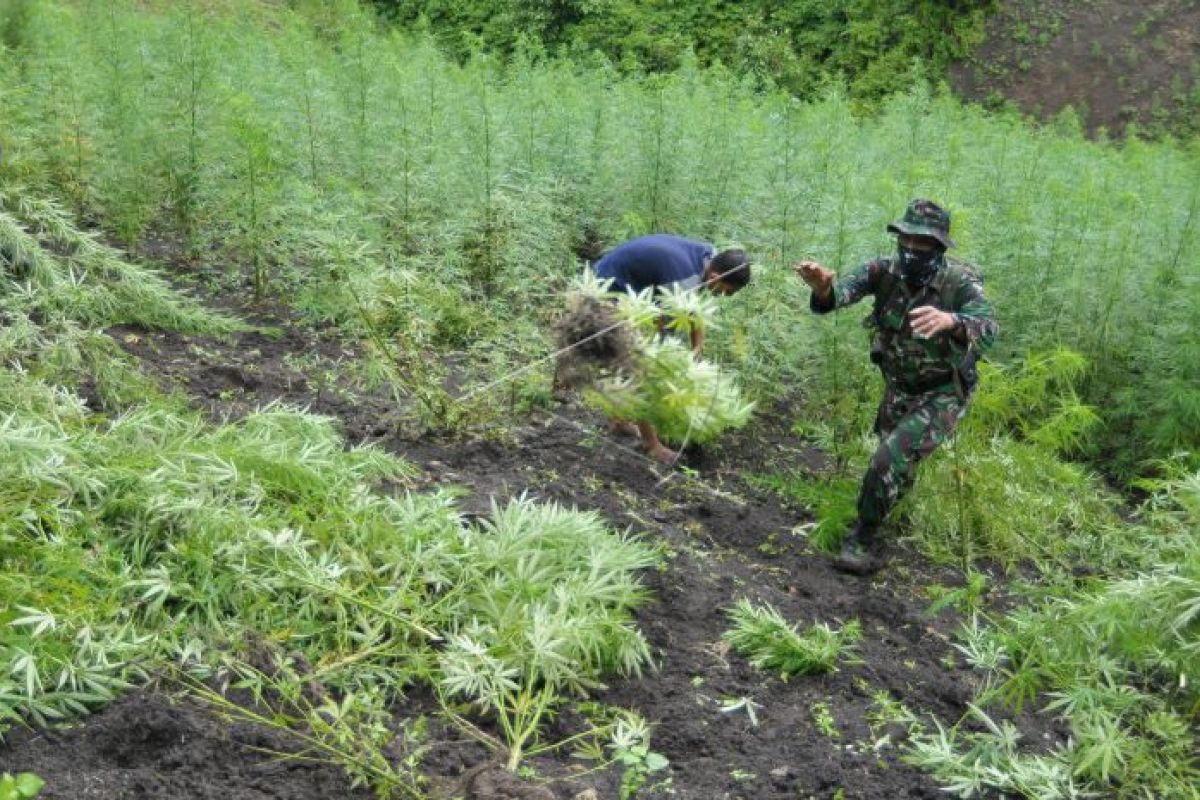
925, 218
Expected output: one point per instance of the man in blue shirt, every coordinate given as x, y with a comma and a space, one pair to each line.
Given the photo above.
663, 261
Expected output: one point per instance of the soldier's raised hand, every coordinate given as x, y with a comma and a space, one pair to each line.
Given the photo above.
818, 278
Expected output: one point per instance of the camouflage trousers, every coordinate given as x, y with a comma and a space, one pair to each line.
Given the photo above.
910, 427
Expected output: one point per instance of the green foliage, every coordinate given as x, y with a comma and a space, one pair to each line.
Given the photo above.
23, 786
833, 501
14, 23
469, 183
967, 599
761, 634
682, 396
685, 399
823, 719
264, 526
1116, 663
798, 45
148, 537
1000, 489
351, 731
630, 746
431, 207
59, 271
968, 762
546, 613
59, 283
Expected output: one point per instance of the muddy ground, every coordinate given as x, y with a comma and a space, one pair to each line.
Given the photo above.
726, 540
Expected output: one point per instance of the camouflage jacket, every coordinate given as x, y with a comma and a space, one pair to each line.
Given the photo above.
912, 365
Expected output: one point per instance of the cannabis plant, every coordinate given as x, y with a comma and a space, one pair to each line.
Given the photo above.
762, 634
78, 277
1113, 662
683, 398
658, 379
972, 763
544, 611
1003, 488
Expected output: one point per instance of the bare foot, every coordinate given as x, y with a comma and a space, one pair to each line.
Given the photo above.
623, 427
663, 455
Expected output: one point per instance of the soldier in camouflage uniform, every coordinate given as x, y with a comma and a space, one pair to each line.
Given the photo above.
931, 322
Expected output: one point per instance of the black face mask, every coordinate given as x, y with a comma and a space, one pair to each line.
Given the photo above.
919, 266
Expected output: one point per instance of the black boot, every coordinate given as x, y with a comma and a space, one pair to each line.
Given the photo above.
857, 555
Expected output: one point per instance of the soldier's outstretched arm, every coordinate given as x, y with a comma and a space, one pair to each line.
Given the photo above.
841, 291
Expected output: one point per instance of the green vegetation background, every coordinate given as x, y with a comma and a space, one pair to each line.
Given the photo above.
797, 46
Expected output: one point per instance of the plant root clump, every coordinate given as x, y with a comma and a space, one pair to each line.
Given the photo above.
598, 340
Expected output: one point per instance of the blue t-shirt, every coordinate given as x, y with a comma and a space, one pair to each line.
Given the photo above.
659, 259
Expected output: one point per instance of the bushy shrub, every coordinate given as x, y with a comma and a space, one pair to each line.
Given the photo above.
1002, 488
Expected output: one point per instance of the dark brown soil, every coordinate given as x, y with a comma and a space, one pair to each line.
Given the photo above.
147, 746
1115, 62
726, 541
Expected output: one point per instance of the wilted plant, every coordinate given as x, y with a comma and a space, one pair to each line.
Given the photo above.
354, 731
969, 763
85, 281
762, 634
267, 525
263, 525
546, 614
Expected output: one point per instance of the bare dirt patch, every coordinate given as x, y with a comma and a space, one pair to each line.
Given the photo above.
729, 541
1114, 62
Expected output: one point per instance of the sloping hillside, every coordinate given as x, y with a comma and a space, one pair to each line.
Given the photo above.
1115, 62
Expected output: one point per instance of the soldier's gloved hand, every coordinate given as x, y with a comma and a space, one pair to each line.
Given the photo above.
818, 278
927, 321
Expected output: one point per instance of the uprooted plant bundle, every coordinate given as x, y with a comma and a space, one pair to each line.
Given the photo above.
592, 339
626, 349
